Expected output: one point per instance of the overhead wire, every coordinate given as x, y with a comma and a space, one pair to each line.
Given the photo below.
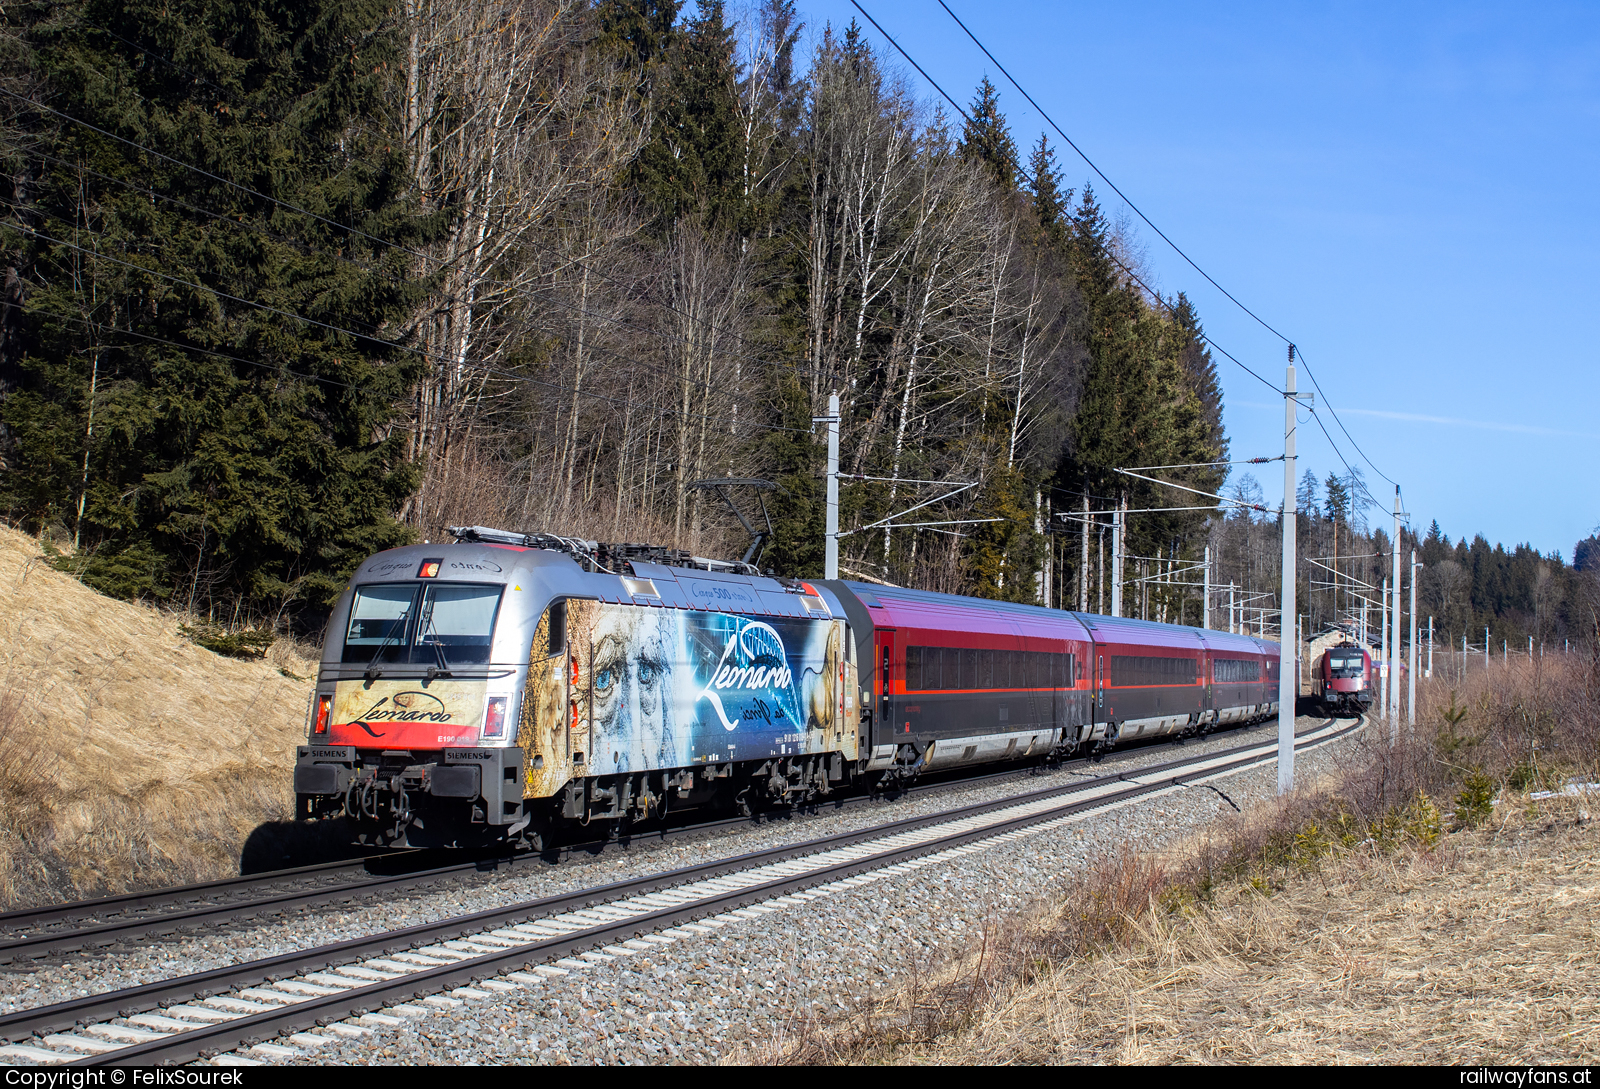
1148, 290
1051, 121
1335, 412
1151, 224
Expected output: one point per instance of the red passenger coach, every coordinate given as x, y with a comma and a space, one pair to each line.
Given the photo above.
951, 680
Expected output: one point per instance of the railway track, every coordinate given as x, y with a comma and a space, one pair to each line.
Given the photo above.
500, 949
91, 924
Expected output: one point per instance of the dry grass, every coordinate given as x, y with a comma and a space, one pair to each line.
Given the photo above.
1387, 914
1477, 950
128, 755
1477, 954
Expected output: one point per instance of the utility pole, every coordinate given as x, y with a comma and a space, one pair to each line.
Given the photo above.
830, 562
1205, 613
1411, 682
1083, 566
1233, 620
1288, 667
1041, 581
1394, 644
1383, 648
1117, 531
1100, 571
1430, 647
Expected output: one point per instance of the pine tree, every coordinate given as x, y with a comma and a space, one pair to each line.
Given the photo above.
637, 32
1201, 369
1337, 504
1107, 431
692, 164
1051, 204
239, 350
1002, 556
1137, 405
987, 138
1586, 554
1305, 498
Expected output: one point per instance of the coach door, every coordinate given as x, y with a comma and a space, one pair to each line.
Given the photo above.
1097, 713
883, 681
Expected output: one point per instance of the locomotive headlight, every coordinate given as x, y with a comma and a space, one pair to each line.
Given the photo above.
324, 713
494, 717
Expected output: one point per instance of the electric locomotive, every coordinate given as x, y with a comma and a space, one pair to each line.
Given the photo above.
1344, 679
507, 684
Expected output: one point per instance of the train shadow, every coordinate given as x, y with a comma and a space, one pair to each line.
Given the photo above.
283, 845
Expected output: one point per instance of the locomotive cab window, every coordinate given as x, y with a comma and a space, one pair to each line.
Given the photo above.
439, 624
1345, 666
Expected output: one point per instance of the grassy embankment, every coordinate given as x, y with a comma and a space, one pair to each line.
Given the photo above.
1422, 905
129, 756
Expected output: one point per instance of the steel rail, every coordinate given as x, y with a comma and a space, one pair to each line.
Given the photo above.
210, 1039
65, 1015
267, 901
26, 918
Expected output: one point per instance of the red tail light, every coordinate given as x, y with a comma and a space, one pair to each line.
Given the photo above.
494, 719
324, 713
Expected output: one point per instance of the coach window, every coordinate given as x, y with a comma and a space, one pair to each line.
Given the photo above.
916, 669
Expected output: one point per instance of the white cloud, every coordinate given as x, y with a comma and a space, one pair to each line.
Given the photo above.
1443, 421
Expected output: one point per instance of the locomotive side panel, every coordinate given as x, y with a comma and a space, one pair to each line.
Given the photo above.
638, 688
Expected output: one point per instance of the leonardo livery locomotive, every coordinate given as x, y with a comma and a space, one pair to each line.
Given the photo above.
499, 687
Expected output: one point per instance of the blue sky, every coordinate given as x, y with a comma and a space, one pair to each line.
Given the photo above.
1406, 191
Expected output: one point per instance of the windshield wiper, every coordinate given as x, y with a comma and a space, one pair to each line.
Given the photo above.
442, 669
372, 672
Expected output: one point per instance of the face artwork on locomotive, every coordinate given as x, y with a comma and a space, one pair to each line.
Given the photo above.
616, 688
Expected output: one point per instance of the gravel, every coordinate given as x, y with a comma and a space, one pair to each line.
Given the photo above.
751, 982
703, 996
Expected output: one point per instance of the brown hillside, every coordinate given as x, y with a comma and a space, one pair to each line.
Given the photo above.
128, 755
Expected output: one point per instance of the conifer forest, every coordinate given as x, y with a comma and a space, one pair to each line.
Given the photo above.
288, 284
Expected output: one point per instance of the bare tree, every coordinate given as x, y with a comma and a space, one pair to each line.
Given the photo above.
511, 125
